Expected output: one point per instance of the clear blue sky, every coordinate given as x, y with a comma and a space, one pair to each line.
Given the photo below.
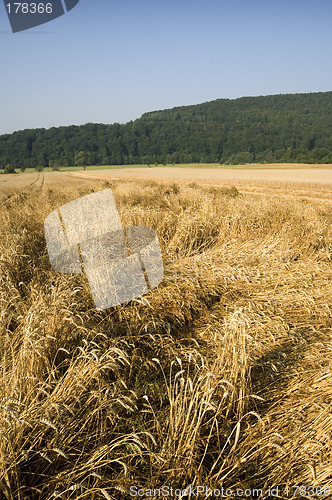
110, 61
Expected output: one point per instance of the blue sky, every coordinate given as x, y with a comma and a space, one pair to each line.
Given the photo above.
110, 61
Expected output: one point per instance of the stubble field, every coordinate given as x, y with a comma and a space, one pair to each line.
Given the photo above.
219, 378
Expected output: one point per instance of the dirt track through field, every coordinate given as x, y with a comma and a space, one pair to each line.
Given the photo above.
32, 180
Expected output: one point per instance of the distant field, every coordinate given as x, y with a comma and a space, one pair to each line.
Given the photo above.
290, 173
206, 166
236, 174
279, 180
300, 182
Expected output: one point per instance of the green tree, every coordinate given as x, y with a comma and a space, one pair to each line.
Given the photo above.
55, 165
9, 169
82, 159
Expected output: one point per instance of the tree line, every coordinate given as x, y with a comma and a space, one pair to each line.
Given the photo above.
276, 128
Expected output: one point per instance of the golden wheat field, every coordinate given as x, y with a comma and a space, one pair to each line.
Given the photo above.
219, 379
260, 173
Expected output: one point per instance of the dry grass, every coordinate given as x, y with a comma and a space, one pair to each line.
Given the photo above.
219, 377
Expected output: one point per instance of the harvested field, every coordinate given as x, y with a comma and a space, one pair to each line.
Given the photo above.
221, 174
299, 182
220, 377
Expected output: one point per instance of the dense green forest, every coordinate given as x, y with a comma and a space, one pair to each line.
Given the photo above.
276, 128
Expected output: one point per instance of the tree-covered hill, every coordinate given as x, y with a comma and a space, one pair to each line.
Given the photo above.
276, 128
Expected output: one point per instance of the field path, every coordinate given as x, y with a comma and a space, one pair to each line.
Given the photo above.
37, 180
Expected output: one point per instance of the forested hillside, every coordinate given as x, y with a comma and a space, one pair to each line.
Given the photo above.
277, 128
